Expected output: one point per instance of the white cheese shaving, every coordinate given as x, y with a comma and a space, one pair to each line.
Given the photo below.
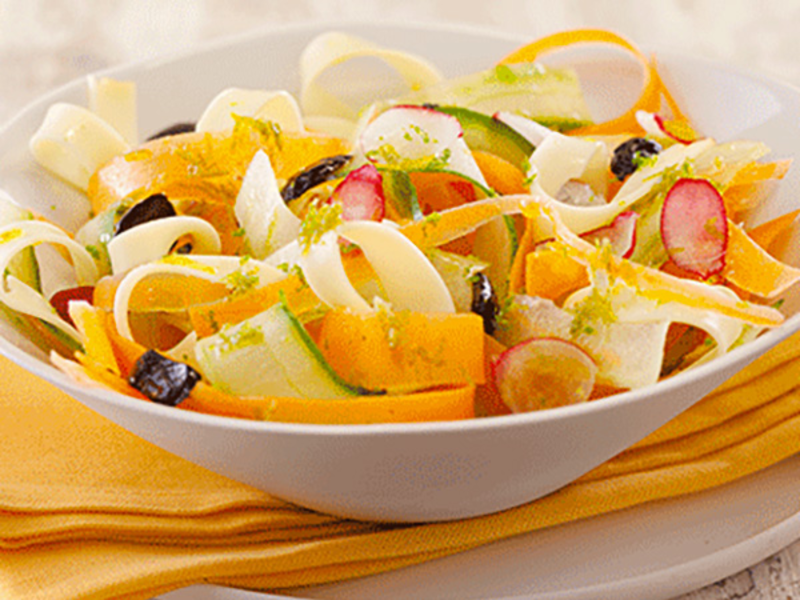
10, 211
532, 131
410, 280
628, 355
723, 330
115, 102
289, 255
153, 240
324, 272
332, 49
279, 107
23, 298
20, 235
560, 158
334, 126
73, 143
122, 297
462, 161
267, 222
210, 268
184, 351
227, 265
20, 296
630, 307
412, 133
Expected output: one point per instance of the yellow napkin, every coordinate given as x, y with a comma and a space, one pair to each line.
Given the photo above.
89, 511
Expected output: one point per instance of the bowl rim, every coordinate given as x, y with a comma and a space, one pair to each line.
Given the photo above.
685, 379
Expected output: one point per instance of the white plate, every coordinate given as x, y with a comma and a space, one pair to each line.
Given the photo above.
651, 552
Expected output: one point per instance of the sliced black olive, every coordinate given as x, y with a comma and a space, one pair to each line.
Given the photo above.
151, 208
484, 302
320, 172
173, 130
163, 380
623, 162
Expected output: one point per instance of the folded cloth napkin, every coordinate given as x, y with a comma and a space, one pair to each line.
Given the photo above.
89, 511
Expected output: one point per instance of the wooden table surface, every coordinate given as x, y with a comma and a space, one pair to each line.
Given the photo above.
44, 43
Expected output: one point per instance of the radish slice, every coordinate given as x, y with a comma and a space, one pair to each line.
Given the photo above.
621, 234
361, 195
544, 373
694, 227
410, 132
418, 134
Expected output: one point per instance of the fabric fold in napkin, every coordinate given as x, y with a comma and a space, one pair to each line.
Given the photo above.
89, 511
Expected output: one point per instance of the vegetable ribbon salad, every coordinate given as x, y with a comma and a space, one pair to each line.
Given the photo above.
441, 250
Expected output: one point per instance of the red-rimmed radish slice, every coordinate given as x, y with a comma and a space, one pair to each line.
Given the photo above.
621, 234
694, 227
543, 373
409, 132
361, 195
654, 124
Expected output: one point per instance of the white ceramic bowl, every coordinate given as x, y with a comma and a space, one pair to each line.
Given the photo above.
406, 472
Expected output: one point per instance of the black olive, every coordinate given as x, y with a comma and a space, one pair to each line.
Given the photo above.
183, 248
623, 161
430, 105
320, 172
151, 208
484, 302
163, 380
173, 130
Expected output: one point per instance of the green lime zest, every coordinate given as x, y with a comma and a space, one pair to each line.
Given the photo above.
592, 313
319, 220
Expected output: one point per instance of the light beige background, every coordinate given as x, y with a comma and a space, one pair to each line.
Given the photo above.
44, 43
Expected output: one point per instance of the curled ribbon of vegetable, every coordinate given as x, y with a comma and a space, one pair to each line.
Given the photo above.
334, 48
652, 88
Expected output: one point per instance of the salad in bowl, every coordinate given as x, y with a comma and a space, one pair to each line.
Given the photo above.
386, 262
425, 281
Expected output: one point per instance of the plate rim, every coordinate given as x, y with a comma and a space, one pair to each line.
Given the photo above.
669, 582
